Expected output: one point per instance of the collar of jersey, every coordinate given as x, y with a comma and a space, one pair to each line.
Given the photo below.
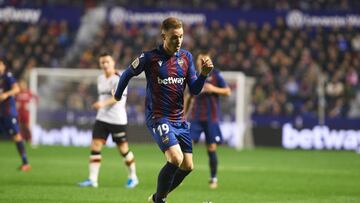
161, 48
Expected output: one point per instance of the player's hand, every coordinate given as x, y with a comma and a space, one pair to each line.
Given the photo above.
97, 105
206, 66
3, 96
208, 88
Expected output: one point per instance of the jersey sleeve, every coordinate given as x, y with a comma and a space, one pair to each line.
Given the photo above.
10, 79
115, 84
220, 80
138, 65
191, 74
134, 69
194, 82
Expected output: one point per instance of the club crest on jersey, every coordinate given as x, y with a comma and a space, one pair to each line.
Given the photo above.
160, 63
180, 61
135, 63
165, 139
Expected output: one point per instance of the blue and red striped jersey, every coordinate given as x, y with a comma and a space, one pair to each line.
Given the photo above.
206, 106
166, 77
8, 106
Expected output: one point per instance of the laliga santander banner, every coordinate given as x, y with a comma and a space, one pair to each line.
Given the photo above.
293, 18
320, 138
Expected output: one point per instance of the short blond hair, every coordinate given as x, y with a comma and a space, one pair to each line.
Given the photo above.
171, 23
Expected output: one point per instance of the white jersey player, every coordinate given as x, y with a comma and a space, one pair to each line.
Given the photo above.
111, 119
115, 113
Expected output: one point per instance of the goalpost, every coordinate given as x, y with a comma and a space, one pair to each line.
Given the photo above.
63, 114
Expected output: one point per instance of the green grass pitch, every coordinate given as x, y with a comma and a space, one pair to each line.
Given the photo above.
264, 175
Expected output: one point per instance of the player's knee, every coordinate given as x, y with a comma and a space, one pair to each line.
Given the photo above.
176, 159
123, 147
17, 137
96, 145
211, 147
188, 167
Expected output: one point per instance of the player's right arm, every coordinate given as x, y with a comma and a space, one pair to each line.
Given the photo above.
134, 69
101, 104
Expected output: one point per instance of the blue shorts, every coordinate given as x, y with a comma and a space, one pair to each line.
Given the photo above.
211, 130
9, 125
167, 134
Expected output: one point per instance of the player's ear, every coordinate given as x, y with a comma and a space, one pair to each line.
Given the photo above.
163, 36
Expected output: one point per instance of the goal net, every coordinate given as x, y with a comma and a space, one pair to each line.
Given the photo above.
63, 114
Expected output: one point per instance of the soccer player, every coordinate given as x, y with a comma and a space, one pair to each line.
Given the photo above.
111, 119
23, 99
8, 114
204, 116
168, 69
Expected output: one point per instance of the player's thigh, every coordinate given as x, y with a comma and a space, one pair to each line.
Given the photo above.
163, 133
195, 130
213, 133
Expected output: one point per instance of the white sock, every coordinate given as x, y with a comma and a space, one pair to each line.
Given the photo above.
94, 167
132, 171
129, 160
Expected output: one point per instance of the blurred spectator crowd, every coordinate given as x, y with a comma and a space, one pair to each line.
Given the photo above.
24, 46
288, 64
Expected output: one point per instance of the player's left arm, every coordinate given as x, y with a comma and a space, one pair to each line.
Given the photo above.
15, 89
196, 83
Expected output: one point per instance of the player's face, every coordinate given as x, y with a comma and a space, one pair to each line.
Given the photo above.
2, 67
107, 64
22, 85
173, 39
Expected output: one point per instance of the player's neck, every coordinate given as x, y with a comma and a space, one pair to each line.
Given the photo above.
167, 50
109, 74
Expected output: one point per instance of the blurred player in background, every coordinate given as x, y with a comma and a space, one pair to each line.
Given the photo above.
8, 114
111, 119
168, 69
23, 99
204, 115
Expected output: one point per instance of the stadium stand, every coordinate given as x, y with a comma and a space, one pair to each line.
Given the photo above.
24, 46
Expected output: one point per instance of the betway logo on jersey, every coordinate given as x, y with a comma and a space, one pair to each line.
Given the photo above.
170, 80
